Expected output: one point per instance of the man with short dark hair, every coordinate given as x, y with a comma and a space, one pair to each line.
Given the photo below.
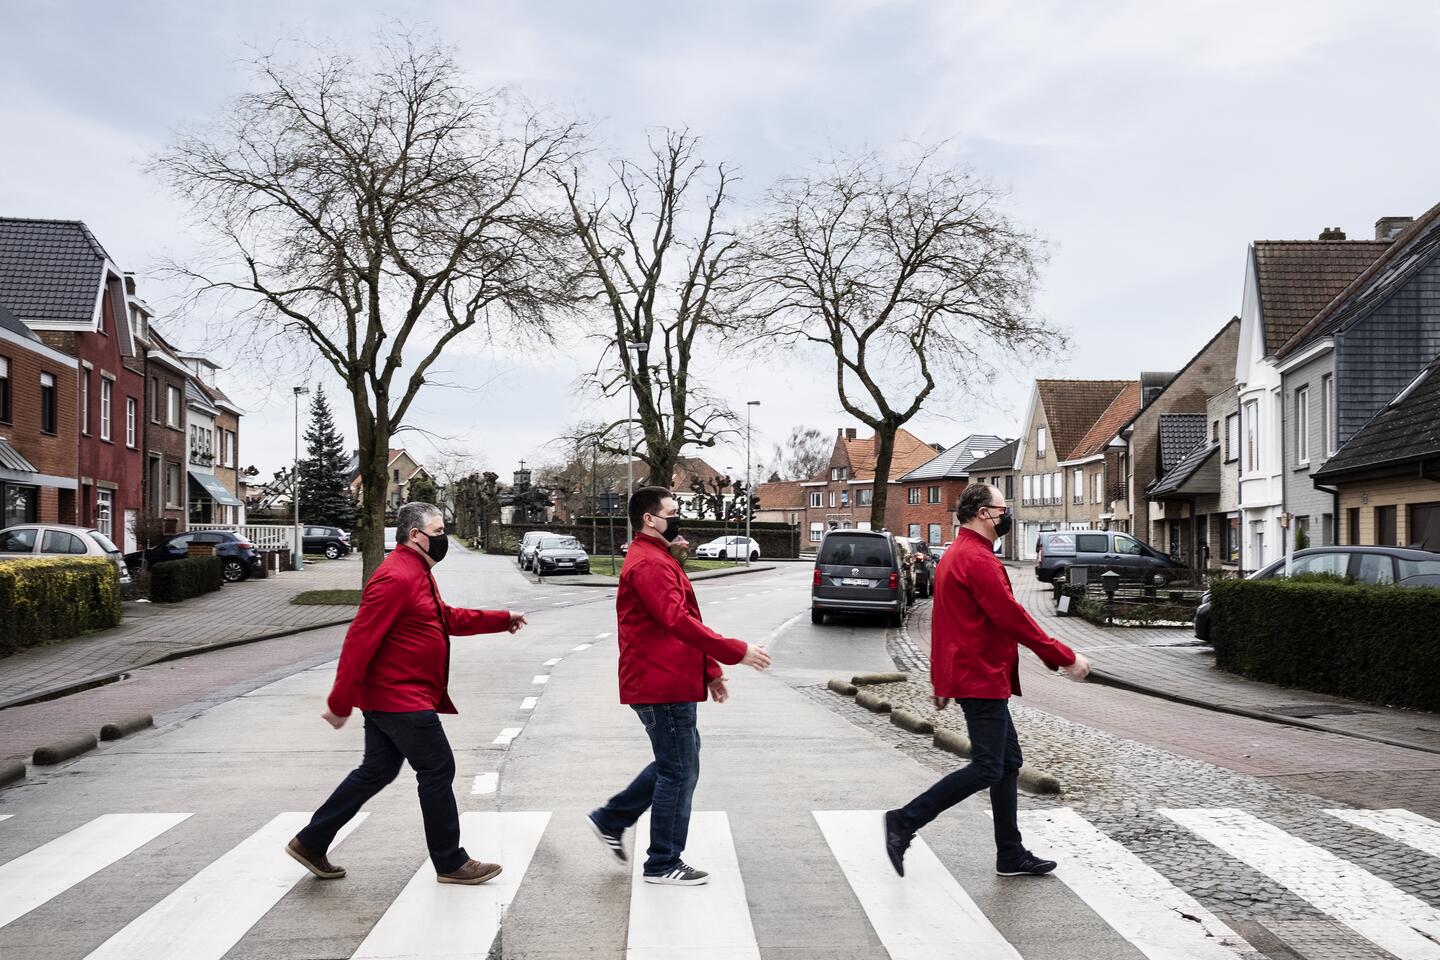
974, 660
668, 663
395, 666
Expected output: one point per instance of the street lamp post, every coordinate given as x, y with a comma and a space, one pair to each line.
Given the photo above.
637, 349
298, 549
749, 483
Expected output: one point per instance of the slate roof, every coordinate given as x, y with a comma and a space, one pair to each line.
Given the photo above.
1120, 412
1405, 431
1412, 250
1002, 459
1187, 467
955, 462
782, 495
1180, 433
193, 394
1073, 406
50, 270
1297, 278
910, 452
8, 322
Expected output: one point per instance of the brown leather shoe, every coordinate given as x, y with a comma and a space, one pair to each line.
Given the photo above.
472, 873
316, 863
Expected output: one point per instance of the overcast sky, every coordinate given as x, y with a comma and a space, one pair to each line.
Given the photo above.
1148, 142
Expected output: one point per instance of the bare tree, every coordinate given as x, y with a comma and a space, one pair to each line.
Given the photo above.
375, 208
805, 452
659, 270
903, 275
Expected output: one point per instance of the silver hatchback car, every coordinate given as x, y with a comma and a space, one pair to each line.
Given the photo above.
58, 540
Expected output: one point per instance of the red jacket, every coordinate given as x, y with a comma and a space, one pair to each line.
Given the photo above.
396, 654
666, 654
977, 623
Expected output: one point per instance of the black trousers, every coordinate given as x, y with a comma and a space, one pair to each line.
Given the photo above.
994, 765
391, 739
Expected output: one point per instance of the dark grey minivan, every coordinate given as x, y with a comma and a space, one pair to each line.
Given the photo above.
858, 571
1130, 558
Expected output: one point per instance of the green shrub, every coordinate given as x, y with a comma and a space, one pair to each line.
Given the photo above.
53, 598
176, 580
1376, 643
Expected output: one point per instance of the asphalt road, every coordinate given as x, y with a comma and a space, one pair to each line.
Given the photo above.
166, 845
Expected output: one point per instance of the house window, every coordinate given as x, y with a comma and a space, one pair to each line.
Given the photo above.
844, 498
934, 495
1059, 486
172, 407
130, 411
1252, 437
1027, 488
396, 475
817, 532
1232, 438
1047, 487
832, 499
107, 396
1327, 413
1214, 431
1099, 488
1386, 532
1010, 487
104, 510
817, 499
154, 403
85, 401
172, 486
913, 495
913, 532
48, 406
866, 496
1077, 485
4, 390
935, 534
1230, 541
1302, 425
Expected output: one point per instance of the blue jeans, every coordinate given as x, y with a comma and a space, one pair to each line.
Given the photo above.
665, 787
995, 761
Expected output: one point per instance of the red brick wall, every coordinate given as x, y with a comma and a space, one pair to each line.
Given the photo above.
55, 455
926, 513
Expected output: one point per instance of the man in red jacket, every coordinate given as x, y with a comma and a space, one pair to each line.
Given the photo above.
395, 666
668, 663
975, 630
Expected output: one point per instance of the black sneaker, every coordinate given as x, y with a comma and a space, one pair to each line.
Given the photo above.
1027, 866
612, 841
897, 840
682, 876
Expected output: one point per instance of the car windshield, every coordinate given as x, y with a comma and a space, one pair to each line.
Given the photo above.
104, 541
559, 543
856, 551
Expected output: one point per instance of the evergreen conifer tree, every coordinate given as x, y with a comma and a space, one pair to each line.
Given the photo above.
324, 493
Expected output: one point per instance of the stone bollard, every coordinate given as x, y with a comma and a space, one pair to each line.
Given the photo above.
864, 679
11, 771
908, 720
842, 687
872, 701
123, 728
64, 749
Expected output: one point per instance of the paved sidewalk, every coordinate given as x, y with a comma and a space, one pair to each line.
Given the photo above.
1169, 662
152, 631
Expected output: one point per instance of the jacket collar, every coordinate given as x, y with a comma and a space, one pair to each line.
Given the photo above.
652, 543
986, 543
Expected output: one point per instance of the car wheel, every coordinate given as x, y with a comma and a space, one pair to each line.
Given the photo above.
332, 552
817, 616
724, 555
1159, 579
896, 619
754, 555
234, 571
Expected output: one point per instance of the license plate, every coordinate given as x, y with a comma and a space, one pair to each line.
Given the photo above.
567, 563
854, 582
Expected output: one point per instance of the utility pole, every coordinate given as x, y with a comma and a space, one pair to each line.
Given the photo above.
637, 351
298, 555
749, 483
594, 500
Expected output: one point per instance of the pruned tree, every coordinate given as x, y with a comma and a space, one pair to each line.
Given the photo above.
805, 452
658, 264
375, 208
903, 275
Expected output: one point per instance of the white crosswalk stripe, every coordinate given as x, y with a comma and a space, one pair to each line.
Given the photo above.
48, 871
1379, 911
1411, 829
213, 910
441, 921
6, 816
1159, 919
698, 923
925, 915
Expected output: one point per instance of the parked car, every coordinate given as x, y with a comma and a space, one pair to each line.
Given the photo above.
555, 554
923, 558
59, 540
1056, 552
907, 568
1402, 566
331, 541
526, 553
390, 538
728, 548
859, 571
238, 556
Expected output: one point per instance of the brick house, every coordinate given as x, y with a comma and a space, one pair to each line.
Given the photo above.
57, 280
401, 469
212, 423
165, 444
841, 495
932, 490
999, 469
1086, 470
780, 502
39, 428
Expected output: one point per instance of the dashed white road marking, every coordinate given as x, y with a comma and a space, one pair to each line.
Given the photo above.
34, 878
1380, 912
208, 914
507, 736
6, 816
485, 783
1407, 827
925, 915
601, 636
541, 678
450, 921
551, 662
775, 634
529, 703
583, 646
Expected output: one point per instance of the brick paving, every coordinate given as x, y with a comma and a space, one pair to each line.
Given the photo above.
149, 632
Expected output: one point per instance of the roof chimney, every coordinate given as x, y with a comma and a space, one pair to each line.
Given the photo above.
1332, 233
849, 433
1388, 228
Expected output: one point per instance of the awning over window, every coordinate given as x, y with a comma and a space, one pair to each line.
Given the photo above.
215, 488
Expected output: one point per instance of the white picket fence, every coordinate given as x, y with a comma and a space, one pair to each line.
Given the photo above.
266, 536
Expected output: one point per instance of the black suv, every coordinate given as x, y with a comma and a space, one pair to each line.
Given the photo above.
859, 571
331, 541
238, 556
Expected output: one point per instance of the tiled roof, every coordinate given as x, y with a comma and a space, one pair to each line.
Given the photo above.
1297, 278
1180, 433
783, 495
1125, 405
1176, 476
8, 322
955, 462
1404, 431
50, 270
1002, 459
1073, 406
1417, 246
910, 452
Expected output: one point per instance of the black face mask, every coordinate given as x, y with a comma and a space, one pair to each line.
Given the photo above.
672, 529
439, 546
1003, 525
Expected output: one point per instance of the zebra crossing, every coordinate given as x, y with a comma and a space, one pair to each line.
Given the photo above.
925, 916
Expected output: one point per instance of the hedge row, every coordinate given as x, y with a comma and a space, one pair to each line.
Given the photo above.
53, 598
1375, 643
176, 580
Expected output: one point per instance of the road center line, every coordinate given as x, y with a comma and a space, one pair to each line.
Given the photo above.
485, 783
529, 703
541, 678
552, 662
507, 736
583, 646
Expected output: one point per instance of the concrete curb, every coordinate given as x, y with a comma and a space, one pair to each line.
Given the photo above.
12, 772
862, 679
872, 702
1119, 683
100, 679
1031, 780
123, 728
63, 750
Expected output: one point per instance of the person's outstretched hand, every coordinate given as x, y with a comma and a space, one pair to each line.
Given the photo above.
756, 657
517, 621
333, 719
1078, 670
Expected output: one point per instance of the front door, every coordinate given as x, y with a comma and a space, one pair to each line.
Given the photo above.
131, 518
